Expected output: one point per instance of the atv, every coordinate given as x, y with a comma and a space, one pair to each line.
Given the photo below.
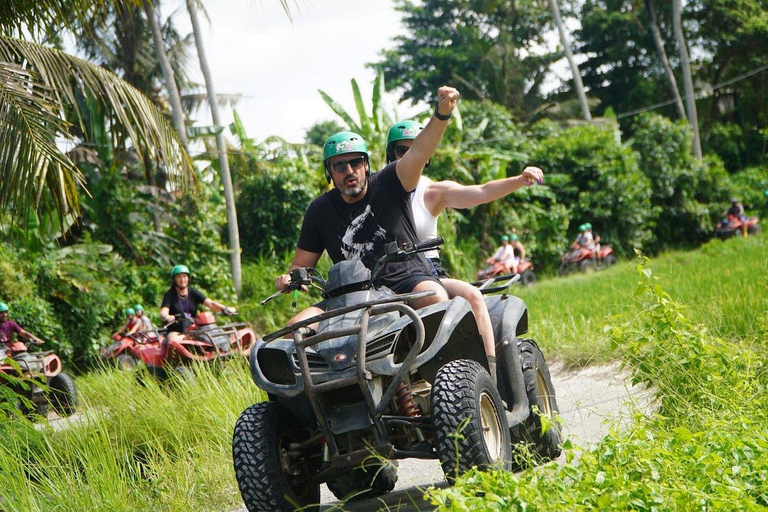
582, 259
126, 351
732, 225
371, 380
203, 340
37, 377
495, 268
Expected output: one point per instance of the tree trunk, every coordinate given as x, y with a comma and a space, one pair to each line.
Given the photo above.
663, 56
690, 98
569, 55
226, 178
170, 80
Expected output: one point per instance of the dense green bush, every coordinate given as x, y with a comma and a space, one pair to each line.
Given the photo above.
750, 185
270, 209
679, 183
599, 181
727, 142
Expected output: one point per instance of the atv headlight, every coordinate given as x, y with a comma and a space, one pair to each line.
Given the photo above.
276, 366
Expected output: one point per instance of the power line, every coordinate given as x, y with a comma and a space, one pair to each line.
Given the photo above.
697, 96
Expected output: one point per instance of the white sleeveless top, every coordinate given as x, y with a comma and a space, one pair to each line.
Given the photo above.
424, 222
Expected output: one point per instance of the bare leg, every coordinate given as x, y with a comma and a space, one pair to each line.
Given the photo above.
456, 288
307, 313
439, 296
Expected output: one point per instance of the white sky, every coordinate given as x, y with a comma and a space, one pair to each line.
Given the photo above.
278, 66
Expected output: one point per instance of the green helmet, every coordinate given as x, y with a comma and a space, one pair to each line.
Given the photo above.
504, 238
3, 307
130, 311
138, 307
180, 269
588, 226
514, 238
582, 228
341, 144
403, 130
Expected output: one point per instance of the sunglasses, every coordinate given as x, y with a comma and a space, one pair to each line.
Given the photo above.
400, 151
354, 163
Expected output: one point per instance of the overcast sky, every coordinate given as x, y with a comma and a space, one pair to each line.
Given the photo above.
278, 65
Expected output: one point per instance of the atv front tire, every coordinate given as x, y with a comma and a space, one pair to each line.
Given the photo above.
543, 441
273, 475
63, 394
527, 278
125, 363
587, 266
468, 418
362, 483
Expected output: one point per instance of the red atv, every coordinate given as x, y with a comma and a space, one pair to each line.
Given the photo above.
495, 268
583, 259
732, 225
202, 340
37, 376
126, 350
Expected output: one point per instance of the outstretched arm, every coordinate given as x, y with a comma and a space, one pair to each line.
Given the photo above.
410, 167
449, 194
29, 336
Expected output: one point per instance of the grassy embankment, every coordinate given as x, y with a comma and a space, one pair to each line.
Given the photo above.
168, 448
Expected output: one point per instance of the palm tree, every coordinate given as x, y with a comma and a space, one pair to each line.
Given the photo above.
569, 55
226, 178
170, 80
39, 91
690, 97
654, 26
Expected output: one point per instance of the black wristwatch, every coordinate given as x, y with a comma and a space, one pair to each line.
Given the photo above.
441, 116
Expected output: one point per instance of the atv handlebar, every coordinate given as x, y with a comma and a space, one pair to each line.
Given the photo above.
393, 252
300, 277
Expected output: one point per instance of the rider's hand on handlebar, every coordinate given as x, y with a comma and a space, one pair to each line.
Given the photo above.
532, 175
283, 283
229, 310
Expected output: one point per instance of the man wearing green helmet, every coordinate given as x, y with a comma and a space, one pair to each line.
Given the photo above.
431, 198
181, 299
364, 211
8, 327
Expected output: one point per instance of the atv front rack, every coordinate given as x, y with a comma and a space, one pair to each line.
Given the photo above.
485, 287
305, 337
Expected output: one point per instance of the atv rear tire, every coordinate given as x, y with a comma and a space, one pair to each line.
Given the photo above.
185, 374
468, 418
63, 394
609, 260
126, 363
527, 278
541, 394
260, 452
587, 266
362, 483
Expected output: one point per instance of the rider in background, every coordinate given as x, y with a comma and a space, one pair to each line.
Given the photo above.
8, 327
737, 210
505, 254
131, 324
595, 239
518, 253
144, 321
428, 201
182, 299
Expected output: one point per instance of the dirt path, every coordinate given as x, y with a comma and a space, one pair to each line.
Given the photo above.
587, 399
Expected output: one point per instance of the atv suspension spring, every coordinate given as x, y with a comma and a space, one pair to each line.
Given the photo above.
406, 401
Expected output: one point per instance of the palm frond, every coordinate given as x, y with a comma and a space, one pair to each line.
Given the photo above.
365, 121
339, 111
38, 88
36, 15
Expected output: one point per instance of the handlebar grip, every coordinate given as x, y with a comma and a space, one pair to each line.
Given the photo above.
429, 244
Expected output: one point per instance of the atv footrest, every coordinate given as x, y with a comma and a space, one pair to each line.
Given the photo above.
357, 457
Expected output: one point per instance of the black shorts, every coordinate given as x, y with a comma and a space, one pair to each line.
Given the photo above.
439, 270
402, 286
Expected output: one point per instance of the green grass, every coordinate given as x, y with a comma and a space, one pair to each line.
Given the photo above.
137, 447
169, 447
725, 285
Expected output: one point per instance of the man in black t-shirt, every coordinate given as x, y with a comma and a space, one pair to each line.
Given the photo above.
363, 211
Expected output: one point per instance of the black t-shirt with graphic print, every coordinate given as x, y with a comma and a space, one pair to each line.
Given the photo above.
361, 229
186, 306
